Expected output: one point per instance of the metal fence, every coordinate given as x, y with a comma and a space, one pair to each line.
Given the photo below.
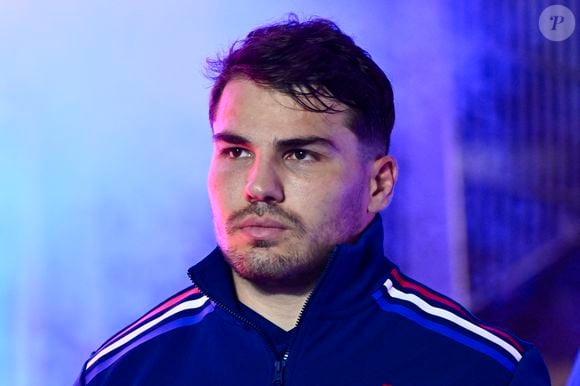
519, 128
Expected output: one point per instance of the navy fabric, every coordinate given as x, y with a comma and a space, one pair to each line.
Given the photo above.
354, 331
279, 338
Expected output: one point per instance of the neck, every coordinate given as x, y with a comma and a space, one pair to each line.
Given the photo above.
280, 307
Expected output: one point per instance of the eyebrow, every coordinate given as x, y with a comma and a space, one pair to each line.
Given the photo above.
230, 138
305, 141
280, 144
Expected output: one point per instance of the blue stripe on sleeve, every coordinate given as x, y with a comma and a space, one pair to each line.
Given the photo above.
443, 330
182, 322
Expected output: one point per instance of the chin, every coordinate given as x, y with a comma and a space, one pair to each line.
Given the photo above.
278, 266
264, 244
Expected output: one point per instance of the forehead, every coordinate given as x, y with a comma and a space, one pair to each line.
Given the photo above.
249, 109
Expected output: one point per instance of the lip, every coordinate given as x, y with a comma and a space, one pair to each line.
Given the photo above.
262, 228
261, 223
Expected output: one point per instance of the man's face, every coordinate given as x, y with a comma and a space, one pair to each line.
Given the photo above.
286, 185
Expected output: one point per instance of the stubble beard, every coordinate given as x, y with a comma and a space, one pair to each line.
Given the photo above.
295, 270
305, 251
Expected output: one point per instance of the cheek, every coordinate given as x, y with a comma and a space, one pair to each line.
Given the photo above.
212, 184
337, 195
216, 189
218, 200
318, 194
225, 186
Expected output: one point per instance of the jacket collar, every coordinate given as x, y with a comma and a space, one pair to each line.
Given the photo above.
354, 270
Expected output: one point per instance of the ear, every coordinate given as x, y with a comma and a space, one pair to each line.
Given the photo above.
382, 183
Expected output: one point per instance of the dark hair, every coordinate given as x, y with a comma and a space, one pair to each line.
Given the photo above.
315, 63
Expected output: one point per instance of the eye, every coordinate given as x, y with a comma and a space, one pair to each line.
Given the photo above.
300, 155
236, 152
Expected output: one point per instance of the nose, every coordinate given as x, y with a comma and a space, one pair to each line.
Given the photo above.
264, 183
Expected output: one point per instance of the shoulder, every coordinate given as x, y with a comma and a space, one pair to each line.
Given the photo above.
185, 308
438, 314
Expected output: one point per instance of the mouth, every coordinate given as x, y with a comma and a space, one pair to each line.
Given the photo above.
262, 228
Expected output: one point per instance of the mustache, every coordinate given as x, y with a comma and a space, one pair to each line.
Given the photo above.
262, 208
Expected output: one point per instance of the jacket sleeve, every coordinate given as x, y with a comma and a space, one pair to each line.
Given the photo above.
531, 370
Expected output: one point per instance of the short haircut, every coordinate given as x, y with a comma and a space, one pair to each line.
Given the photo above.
315, 63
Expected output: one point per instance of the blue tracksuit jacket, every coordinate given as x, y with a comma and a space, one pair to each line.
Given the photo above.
365, 324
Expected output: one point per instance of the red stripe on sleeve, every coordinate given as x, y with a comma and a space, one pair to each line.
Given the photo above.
438, 298
160, 308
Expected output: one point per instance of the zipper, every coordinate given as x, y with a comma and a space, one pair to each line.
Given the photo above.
316, 287
279, 366
279, 363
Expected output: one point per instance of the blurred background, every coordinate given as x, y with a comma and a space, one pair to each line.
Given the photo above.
105, 144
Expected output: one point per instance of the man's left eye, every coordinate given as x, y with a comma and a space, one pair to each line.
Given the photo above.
300, 155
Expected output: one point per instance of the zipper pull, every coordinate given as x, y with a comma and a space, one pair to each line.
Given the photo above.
279, 370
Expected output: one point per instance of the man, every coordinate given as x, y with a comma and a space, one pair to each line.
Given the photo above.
298, 291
